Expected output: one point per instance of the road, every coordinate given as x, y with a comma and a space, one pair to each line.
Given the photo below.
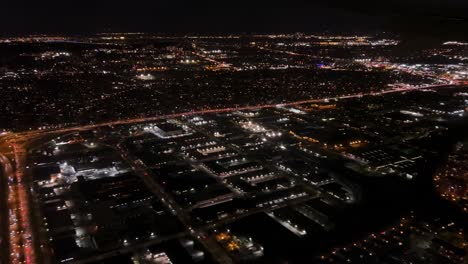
401, 89
5, 174
23, 209
209, 244
17, 228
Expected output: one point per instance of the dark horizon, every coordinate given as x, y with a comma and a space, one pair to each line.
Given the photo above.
436, 19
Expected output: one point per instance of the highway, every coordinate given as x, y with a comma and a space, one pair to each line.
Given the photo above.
400, 89
27, 252
17, 225
5, 174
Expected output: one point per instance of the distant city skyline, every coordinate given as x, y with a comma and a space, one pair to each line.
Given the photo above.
436, 19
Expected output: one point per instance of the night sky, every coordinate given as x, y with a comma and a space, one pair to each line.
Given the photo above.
440, 19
